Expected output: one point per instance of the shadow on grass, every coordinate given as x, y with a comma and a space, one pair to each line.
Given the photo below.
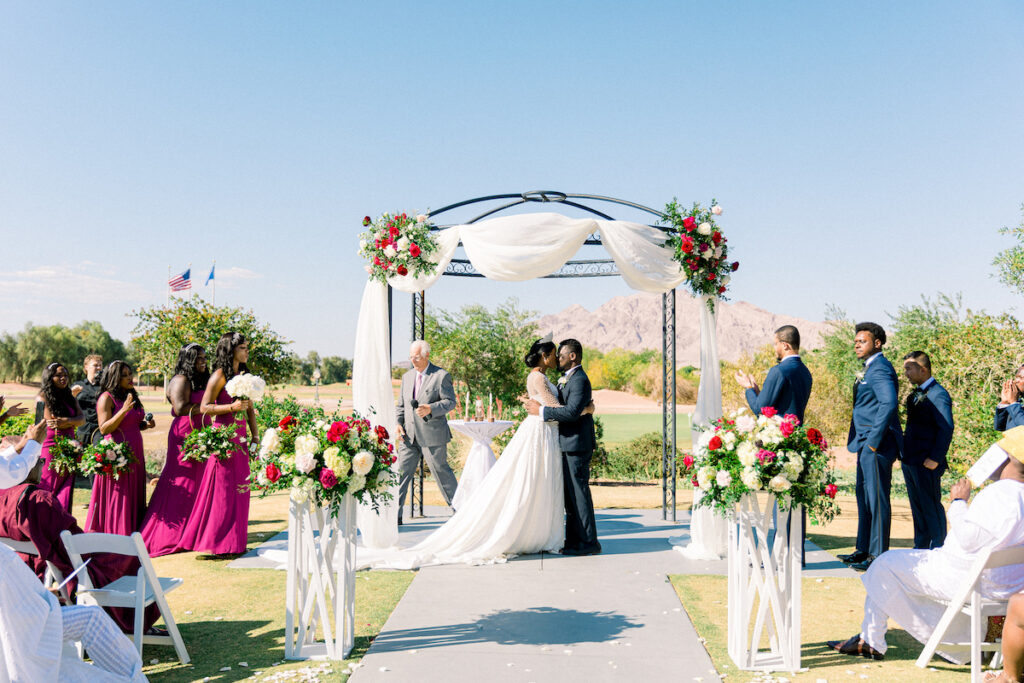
533, 626
213, 645
902, 647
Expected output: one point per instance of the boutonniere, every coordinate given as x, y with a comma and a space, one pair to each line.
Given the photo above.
918, 395
860, 376
562, 380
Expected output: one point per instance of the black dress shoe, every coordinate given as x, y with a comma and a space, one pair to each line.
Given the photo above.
587, 549
863, 565
856, 556
399, 521
855, 647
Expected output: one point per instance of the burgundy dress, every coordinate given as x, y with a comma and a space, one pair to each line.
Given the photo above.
117, 505
219, 522
175, 493
62, 485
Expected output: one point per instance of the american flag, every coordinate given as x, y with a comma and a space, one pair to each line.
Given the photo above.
181, 282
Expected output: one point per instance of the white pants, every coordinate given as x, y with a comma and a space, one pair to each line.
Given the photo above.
107, 646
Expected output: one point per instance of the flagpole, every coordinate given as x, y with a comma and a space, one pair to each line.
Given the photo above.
213, 269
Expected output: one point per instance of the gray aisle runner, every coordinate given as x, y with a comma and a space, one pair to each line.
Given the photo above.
545, 618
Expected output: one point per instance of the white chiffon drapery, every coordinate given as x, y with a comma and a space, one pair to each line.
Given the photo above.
512, 249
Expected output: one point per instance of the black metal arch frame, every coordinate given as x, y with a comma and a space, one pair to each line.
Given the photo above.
573, 269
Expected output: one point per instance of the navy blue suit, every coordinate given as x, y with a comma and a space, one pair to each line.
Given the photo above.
928, 435
876, 438
786, 388
576, 439
1009, 417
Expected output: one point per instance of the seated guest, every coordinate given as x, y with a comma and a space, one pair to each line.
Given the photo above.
1013, 645
30, 513
904, 585
62, 414
88, 391
1009, 412
34, 628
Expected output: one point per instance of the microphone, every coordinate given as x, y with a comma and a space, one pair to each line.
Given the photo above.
416, 404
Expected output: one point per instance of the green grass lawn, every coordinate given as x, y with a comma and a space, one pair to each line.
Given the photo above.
622, 428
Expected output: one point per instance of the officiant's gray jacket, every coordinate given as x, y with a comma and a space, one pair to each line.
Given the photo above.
436, 391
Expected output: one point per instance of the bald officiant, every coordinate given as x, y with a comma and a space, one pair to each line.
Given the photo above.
426, 398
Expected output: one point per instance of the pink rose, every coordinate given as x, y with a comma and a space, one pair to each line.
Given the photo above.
768, 411
687, 461
273, 473
327, 478
786, 428
717, 210
831, 490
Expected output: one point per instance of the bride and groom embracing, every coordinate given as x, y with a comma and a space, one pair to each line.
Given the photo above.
536, 498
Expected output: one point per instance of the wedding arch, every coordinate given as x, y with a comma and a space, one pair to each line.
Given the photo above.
526, 246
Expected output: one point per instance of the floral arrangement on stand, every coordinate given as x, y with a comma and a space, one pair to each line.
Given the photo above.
320, 458
743, 453
65, 455
108, 458
397, 244
211, 441
700, 247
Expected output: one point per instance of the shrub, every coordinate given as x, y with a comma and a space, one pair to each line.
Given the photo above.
640, 459
16, 426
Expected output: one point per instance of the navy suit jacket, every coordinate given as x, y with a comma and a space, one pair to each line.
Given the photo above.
1009, 417
786, 388
929, 427
575, 430
876, 412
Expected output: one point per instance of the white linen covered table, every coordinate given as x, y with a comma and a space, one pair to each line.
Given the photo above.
481, 457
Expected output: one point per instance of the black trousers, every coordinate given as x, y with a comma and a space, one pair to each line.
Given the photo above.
580, 526
924, 489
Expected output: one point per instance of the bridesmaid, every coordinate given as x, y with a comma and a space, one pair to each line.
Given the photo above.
175, 492
63, 415
220, 518
117, 505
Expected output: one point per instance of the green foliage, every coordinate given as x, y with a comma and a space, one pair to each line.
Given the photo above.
270, 410
638, 372
24, 355
332, 368
16, 426
161, 331
638, 460
1009, 263
483, 350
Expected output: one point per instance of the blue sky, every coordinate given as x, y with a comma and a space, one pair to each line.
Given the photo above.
866, 154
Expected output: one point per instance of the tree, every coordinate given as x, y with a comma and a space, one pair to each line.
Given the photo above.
24, 355
1009, 263
484, 350
161, 331
335, 370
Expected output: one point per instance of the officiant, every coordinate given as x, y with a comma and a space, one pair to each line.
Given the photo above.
427, 396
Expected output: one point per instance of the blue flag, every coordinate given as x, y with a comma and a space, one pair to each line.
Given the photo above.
211, 274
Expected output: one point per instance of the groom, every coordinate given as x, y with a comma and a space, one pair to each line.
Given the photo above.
576, 439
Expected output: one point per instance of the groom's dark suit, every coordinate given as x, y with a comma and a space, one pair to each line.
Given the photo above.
576, 439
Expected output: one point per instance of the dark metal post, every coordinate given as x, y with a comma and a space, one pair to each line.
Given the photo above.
672, 408
668, 402
664, 404
419, 331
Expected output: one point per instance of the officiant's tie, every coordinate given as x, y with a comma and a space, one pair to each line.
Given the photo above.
416, 385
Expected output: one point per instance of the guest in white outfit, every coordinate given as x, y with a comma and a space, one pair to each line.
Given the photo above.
906, 585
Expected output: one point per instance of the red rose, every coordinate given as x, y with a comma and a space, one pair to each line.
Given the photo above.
702, 247
327, 478
711, 277
393, 232
694, 482
721, 290
376, 243
108, 469
768, 411
414, 250
382, 433
689, 223
716, 237
786, 427
715, 443
831, 490
286, 423
687, 461
402, 270
735, 266
814, 436
687, 245
337, 431
99, 457
391, 448
366, 220
693, 266
273, 473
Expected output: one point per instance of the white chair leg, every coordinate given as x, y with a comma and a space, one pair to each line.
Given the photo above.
140, 612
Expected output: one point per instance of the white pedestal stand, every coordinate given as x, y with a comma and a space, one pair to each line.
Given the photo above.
313, 580
764, 588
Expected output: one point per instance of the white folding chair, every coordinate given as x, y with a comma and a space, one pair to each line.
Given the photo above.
967, 600
137, 592
51, 576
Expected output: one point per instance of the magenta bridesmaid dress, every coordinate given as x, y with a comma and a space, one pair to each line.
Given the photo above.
219, 522
62, 485
175, 493
117, 505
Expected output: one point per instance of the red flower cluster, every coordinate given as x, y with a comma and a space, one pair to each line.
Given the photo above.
338, 431
815, 437
768, 411
273, 473
715, 443
286, 423
327, 478
831, 490
382, 433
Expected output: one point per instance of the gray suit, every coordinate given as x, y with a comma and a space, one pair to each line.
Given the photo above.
426, 438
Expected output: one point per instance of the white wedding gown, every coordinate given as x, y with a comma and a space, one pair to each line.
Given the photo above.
519, 507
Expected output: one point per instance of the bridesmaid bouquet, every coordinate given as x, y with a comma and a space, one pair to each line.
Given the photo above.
741, 454
65, 454
319, 458
246, 386
108, 458
211, 441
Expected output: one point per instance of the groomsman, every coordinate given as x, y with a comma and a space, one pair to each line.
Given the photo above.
876, 438
925, 442
1009, 412
426, 397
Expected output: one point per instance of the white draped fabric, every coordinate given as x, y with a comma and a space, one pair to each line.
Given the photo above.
709, 531
480, 459
510, 248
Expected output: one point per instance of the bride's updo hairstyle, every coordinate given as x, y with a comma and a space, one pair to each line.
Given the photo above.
539, 348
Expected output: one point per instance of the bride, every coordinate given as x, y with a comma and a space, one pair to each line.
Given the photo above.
517, 509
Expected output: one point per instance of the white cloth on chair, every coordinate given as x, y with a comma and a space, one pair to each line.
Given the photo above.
480, 459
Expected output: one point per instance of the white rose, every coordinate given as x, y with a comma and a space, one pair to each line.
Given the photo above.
793, 467
718, 252
779, 483
356, 483
747, 453
271, 442
717, 210
383, 480
362, 463
770, 434
299, 494
362, 245
261, 478
421, 218
723, 478
704, 475
745, 424
729, 440
403, 244
368, 268
707, 255
305, 462
389, 251
751, 479
704, 228
705, 437
306, 444
725, 280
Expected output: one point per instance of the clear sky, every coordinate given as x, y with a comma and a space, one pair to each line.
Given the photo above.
865, 153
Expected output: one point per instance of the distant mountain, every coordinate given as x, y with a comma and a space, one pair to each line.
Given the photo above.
634, 323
